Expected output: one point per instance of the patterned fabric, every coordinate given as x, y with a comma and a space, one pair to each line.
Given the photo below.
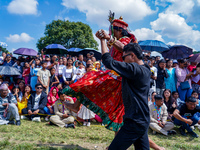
158, 110
101, 92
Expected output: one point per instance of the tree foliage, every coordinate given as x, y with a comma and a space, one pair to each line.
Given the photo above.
69, 34
3, 49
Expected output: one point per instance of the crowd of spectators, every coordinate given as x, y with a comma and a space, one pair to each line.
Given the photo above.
37, 92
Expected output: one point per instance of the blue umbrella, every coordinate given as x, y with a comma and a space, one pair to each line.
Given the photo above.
55, 49
74, 51
153, 45
177, 52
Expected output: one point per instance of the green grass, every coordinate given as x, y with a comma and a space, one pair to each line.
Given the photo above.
34, 135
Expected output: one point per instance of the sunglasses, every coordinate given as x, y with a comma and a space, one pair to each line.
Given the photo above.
123, 57
39, 88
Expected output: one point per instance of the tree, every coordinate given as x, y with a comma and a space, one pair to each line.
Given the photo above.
69, 34
3, 49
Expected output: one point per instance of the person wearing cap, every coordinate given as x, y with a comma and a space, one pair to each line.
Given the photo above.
185, 118
158, 117
48, 60
8, 108
175, 63
161, 75
8, 61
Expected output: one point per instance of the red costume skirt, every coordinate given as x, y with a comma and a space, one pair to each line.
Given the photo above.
101, 92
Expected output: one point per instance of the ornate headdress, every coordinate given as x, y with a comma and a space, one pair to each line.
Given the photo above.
119, 23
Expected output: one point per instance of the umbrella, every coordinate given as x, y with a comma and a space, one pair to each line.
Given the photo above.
153, 45
154, 53
55, 49
97, 54
8, 70
177, 52
195, 58
25, 51
74, 51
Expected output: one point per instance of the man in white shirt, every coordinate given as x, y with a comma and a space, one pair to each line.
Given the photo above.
36, 103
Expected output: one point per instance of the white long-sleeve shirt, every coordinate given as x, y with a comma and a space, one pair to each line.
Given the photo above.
79, 71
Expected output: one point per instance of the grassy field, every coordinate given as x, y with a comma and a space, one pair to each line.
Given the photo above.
34, 135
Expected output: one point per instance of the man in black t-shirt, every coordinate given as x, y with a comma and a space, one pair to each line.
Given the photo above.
184, 116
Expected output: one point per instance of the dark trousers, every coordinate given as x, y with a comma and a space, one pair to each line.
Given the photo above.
186, 126
25, 111
128, 136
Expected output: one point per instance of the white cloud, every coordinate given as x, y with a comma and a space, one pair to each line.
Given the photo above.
16, 38
175, 27
23, 7
181, 7
147, 34
97, 10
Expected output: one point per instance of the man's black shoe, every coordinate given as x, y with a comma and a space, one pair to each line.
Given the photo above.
11, 122
18, 122
193, 134
71, 125
171, 132
182, 131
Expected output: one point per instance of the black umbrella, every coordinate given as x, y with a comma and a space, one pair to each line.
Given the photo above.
55, 49
8, 70
177, 52
97, 54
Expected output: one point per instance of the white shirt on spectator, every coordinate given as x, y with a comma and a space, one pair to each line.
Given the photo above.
60, 71
37, 100
78, 73
67, 73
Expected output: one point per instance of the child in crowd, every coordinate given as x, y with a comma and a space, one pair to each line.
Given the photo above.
44, 77
175, 95
26, 73
85, 113
53, 79
80, 71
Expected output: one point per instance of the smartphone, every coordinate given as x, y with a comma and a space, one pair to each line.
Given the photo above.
56, 59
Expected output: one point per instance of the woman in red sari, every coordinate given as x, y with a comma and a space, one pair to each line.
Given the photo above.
101, 91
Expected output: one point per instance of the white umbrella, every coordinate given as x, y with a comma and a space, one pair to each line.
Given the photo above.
154, 53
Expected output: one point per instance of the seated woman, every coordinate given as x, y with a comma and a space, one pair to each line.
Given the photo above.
16, 93
52, 98
23, 103
170, 102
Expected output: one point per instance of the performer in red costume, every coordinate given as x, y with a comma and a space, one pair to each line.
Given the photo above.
101, 91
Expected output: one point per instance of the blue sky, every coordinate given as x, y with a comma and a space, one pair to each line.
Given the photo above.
22, 22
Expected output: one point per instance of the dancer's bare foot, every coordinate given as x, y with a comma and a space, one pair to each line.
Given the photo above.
73, 107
